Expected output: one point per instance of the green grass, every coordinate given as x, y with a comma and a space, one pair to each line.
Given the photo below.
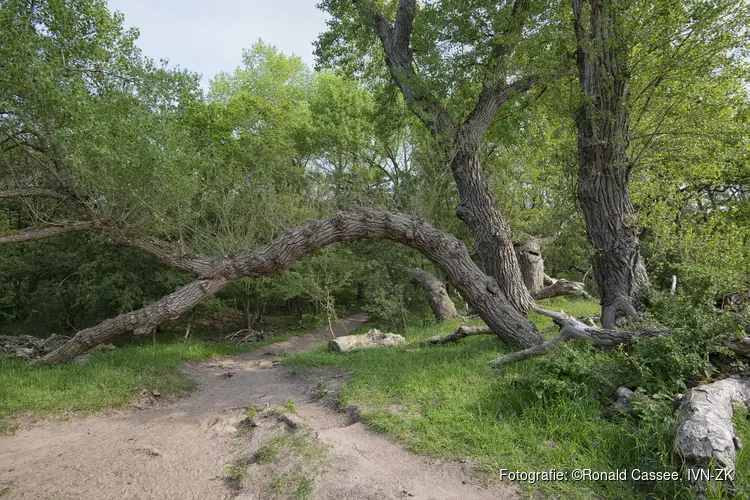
106, 380
534, 415
742, 429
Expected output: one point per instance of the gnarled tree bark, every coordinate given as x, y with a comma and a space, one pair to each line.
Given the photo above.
443, 250
441, 304
539, 284
603, 162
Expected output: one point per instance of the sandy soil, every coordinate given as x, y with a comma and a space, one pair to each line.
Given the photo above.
182, 450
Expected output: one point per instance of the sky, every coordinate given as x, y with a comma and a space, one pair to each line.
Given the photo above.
208, 36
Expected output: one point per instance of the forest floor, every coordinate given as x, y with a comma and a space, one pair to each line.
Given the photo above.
252, 430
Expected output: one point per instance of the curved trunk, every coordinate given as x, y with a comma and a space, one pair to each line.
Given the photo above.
603, 162
441, 304
460, 142
478, 210
445, 251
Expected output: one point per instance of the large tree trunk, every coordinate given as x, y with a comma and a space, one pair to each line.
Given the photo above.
479, 211
443, 250
603, 162
140, 322
460, 142
441, 304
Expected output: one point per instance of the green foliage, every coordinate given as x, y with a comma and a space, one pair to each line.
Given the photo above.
672, 363
73, 282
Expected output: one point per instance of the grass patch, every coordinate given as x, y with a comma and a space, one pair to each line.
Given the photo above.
237, 473
285, 467
106, 380
535, 415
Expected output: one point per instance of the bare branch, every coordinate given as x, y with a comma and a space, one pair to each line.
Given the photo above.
572, 329
462, 332
38, 233
32, 193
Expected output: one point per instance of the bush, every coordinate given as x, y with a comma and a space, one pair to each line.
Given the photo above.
671, 364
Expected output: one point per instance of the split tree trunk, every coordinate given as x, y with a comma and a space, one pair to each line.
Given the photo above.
444, 250
479, 211
539, 284
603, 162
440, 302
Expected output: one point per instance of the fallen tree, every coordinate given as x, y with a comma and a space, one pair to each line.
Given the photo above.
444, 250
574, 329
705, 434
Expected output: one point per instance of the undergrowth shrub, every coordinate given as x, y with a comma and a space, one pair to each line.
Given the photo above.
672, 363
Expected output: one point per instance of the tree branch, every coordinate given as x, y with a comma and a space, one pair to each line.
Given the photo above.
399, 59
32, 193
572, 329
38, 233
166, 253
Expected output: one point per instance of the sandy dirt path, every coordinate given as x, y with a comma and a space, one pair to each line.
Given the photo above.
182, 450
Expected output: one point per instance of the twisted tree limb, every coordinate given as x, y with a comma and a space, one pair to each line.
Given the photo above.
572, 329
444, 250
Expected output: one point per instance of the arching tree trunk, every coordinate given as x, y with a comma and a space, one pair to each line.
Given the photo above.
440, 302
603, 162
443, 250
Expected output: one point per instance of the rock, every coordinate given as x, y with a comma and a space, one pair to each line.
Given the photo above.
146, 398
373, 338
622, 402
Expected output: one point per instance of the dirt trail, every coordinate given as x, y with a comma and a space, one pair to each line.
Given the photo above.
182, 450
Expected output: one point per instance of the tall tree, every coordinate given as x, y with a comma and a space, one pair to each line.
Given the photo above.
493, 38
603, 162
